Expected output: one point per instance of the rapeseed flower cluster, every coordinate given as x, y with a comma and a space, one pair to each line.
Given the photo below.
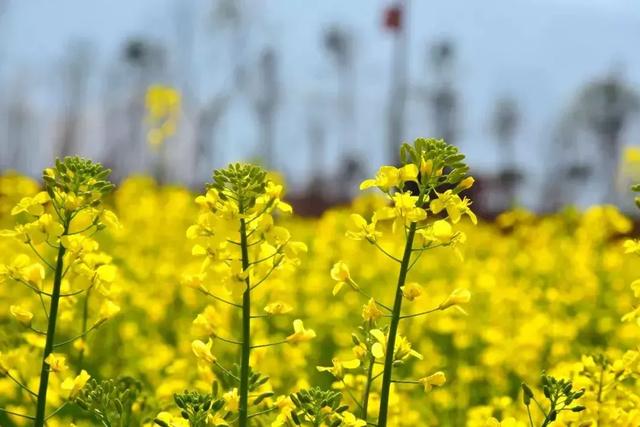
59, 263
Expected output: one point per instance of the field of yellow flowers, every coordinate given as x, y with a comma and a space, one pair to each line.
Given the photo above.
224, 308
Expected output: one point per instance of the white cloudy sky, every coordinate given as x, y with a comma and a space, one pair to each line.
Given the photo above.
539, 51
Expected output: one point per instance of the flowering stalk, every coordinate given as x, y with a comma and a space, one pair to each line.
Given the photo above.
393, 326
369, 381
236, 234
246, 328
62, 217
429, 165
51, 331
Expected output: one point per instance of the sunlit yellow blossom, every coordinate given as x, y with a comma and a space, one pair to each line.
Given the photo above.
437, 379
404, 209
350, 420
77, 244
206, 323
337, 370
106, 273
16, 267
43, 229
455, 299
22, 315
108, 310
294, 250
278, 307
402, 347
454, 205
633, 315
203, 351
56, 362
74, 385
442, 231
216, 420
285, 406
359, 229
632, 246
371, 312
300, 334
340, 273
273, 194
171, 420
209, 200
412, 290
32, 273
386, 178
32, 205
232, 400
110, 219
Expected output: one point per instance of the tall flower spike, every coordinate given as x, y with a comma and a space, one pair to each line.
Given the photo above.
63, 216
424, 205
242, 246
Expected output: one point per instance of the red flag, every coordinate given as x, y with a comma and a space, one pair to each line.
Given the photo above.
393, 17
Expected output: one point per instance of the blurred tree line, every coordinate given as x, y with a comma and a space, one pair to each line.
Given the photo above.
110, 102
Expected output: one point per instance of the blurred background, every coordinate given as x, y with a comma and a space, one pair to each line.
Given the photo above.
542, 95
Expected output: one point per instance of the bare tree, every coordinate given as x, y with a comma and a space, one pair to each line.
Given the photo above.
185, 34
340, 44
316, 135
4, 142
144, 61
565, 169
504, 125
75, 77
19, 127
444, 99
206, 124
232, 14
396, 22
265, 100
605, 106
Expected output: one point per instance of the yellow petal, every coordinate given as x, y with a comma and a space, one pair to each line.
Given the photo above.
367, 183
351, 364
378, 335
377, 350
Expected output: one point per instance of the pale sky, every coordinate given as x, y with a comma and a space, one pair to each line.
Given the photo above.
538, 51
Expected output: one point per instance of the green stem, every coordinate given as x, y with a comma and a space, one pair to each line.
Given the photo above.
246, 331
367, 390
529, 413
393, 328
85, 317
17, 414
51, 331
547, 419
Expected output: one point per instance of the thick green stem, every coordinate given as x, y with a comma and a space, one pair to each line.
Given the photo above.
246, 331
51, 331
393, 329
547, 418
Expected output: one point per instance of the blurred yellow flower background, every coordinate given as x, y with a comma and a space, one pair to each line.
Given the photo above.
541, 293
